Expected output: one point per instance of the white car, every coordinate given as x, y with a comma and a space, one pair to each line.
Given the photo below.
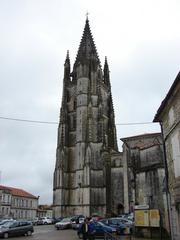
45, 220
75, 224
63, 224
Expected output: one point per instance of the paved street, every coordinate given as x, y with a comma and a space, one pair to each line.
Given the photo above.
46, 232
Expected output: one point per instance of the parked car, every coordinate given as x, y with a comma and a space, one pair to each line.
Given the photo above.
129, 216
35, 221
126, 221
16, 228
96, 217
98, 229
63, 224
44, 220
5, 221
58, 219
119, 223
75, 224
76, 221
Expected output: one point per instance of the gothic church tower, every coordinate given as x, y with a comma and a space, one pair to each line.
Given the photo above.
86, 135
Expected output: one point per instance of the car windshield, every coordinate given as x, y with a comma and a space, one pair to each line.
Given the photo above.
65, 220
3, 222
100, 223
104, 221
113, 221
8, 224
123, 220
81, 219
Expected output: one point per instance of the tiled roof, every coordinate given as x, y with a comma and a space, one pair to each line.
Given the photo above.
145, 135
139, 143
17, 192
142, 146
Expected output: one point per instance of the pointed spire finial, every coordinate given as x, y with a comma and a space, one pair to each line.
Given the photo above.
87, 49
106, 63
67, 60
67, 56
106, 60
67, 67
87, 13
106, 72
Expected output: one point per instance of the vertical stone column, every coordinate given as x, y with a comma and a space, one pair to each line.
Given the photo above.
126, 187
108, 184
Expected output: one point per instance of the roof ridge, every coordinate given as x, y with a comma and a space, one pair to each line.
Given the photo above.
18, 191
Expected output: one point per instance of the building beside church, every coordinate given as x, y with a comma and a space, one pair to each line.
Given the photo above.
86, 136
143, 160
168, 115
17, 203
44, 211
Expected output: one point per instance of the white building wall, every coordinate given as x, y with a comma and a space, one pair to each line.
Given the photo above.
175, 141
24, 208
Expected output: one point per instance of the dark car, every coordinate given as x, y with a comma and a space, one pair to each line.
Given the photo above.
16, 228
98, 229
58, 219
113, 222
121, 226
2, 222
127, 222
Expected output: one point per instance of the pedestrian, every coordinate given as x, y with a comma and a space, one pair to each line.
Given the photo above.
84, 229
91, 230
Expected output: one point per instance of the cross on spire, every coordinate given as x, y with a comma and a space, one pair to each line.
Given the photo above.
87, 13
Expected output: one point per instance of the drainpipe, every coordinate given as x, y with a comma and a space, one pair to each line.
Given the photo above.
168, 196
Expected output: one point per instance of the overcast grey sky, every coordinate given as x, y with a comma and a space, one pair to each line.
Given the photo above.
141, 41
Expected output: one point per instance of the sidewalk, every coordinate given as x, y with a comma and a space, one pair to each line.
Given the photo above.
125, 238
133, 238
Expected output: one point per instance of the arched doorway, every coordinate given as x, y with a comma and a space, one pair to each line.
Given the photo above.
120, 208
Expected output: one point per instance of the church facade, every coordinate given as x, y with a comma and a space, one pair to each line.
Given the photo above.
87, 140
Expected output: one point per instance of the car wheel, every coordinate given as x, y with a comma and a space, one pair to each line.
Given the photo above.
80, 235
6, 235
29, 233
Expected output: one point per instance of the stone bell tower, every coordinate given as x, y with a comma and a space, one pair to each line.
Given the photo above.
86, 135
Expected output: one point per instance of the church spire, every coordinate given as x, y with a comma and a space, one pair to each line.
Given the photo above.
67, 67
87, 49
106, 73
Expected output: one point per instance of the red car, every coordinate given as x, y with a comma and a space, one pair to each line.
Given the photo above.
95, 217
